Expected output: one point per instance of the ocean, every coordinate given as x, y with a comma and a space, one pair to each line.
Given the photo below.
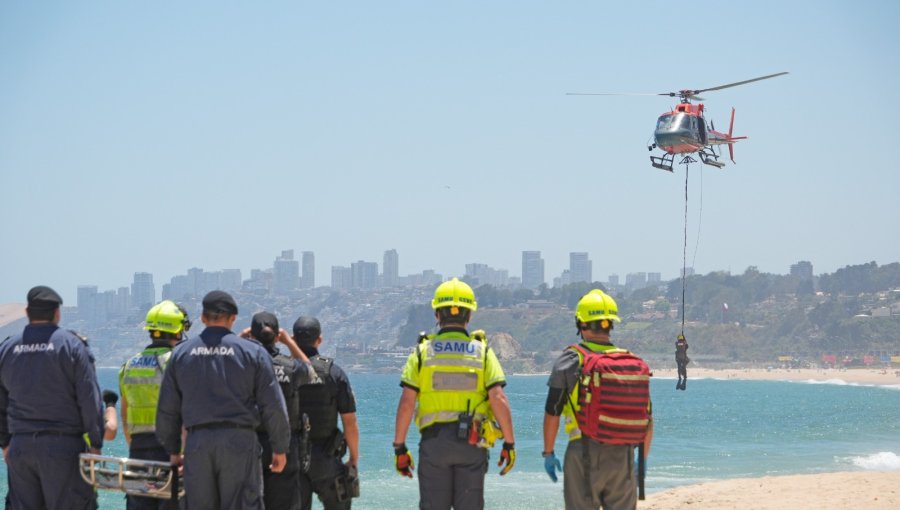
717, 429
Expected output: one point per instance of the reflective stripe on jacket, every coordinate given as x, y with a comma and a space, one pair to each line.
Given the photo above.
451, 379
139, 382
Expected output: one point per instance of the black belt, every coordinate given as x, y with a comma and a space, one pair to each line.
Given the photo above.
42, 433
433, 430
219, 425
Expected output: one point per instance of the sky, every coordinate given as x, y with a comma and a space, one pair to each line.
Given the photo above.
159, 136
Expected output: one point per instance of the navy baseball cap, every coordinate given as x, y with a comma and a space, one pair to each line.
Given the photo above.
43, 298
260, 321
307, 328
219, 301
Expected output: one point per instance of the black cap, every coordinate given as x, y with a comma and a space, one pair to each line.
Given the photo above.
219, 301
43, 298
307, 328
261, 320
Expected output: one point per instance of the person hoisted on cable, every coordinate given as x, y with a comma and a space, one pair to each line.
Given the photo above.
681, 358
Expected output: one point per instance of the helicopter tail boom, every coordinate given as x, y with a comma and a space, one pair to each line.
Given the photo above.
717, 138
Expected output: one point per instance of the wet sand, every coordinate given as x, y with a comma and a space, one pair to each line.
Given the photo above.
836, 491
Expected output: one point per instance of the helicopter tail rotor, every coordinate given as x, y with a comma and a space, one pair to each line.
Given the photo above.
730, 136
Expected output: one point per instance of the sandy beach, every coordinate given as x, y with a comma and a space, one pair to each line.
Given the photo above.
836, 491
877, 376
10, 312
847, 490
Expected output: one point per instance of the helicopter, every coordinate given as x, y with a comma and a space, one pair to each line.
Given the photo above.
684, 130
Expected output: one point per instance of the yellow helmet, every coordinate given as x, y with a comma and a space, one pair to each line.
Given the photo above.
167, 317
597, 305
454, 293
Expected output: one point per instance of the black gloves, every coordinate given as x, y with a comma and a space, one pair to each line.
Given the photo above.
110, 398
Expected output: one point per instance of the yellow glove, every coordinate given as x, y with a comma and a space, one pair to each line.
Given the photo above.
509, 456
403, 461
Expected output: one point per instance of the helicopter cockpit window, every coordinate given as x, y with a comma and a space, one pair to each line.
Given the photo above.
665, 122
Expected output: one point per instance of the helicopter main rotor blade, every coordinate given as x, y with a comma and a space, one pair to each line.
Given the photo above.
612, 94
735, 84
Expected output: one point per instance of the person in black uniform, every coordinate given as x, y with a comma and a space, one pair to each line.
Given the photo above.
282, 490
221, 388
682, 360
323, 402
49, 402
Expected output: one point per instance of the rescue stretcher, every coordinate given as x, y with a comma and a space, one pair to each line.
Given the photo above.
135, 477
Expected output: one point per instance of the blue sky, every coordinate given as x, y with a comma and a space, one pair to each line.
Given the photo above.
148, 136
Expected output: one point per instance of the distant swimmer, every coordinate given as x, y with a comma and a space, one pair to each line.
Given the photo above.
49, 402
681, 358
140, 379
221, 388
457, 381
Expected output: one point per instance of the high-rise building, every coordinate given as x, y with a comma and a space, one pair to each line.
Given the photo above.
85, 297
636, 280
654, 278
308, 277
364, 274
285, 273
564, 279
391, 268
230, 280
802, 270
87, 302
483, 274
341, 277
532, 269
580, 267
143, 293
613, 280
260, 281
122, 302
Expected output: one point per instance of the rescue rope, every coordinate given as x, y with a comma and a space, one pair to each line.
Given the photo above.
699, 224
687, 168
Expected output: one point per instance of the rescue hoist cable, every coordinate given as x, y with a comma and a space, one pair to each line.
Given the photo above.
687, 168
699, 224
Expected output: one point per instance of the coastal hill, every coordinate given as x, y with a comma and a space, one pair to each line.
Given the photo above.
851, 317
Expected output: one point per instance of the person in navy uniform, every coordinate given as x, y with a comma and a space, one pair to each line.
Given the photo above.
323, 401
49, 403
282, 490
220, 388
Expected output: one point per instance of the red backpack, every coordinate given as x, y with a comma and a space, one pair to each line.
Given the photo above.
614, 396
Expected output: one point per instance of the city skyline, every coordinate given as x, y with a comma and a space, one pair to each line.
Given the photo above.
353, 128
361, 274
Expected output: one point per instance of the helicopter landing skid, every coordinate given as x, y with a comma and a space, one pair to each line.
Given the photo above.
711, 159
663, 163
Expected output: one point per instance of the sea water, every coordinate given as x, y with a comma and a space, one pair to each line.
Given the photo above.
716, 429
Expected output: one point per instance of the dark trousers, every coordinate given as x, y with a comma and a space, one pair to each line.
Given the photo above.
222, 470
281, 491
324, 469
682, 370
43, 473
451, 471
146, 447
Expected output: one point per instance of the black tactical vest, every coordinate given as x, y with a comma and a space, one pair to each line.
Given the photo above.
284, 372
319, 401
